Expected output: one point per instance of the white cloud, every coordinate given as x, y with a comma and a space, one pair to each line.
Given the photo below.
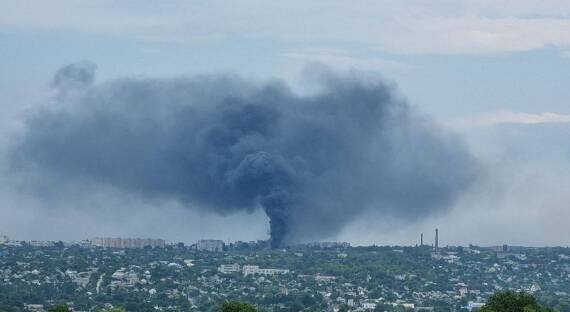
475, 35
510, 117
344, 60
466, 27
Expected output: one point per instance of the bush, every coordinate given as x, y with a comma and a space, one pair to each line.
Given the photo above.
60, 308
510, 301
234, 306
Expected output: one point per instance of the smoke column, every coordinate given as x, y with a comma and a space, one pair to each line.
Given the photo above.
223, 144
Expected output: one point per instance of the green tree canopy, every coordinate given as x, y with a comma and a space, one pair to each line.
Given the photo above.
60, 308
510, 301
234, 306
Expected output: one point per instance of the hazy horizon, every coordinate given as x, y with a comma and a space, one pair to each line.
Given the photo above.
476, 88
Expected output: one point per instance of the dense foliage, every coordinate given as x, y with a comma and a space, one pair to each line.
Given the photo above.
60, 308
510, 301
235, 306
178, 278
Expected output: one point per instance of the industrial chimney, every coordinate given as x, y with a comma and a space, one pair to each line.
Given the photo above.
436, 239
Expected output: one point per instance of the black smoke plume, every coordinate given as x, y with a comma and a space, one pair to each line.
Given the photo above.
222, 144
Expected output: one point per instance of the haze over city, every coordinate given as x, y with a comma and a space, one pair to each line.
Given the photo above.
368, 123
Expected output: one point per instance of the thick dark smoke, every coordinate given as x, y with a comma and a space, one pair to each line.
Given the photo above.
219, 143
74, 77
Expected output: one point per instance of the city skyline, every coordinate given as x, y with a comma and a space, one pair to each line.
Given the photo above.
213, 244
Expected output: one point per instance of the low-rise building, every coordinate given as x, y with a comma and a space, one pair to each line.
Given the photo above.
254, 269
41, 243
471, 305
229, 268
34, 307
368, 305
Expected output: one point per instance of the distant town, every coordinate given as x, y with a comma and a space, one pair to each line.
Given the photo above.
142, 274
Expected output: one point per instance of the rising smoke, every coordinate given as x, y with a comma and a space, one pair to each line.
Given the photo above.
223, 144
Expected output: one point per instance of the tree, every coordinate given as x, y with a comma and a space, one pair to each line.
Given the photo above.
60, 308
235, 306
510, 301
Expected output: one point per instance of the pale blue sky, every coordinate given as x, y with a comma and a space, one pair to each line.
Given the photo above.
444, 85
488, 69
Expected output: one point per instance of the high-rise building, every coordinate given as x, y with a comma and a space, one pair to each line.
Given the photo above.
213, 245
109, 242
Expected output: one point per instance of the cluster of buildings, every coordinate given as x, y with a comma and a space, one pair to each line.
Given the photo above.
326, 279
6, 241
335, 275
36, 243
81, 279
105, 242
328, 244
250, 270
210, 245
126, 278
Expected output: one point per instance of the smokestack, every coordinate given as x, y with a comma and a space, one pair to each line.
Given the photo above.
436, 239
421, 239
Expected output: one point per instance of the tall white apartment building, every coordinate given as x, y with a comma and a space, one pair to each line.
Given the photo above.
109, 242
213, 245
